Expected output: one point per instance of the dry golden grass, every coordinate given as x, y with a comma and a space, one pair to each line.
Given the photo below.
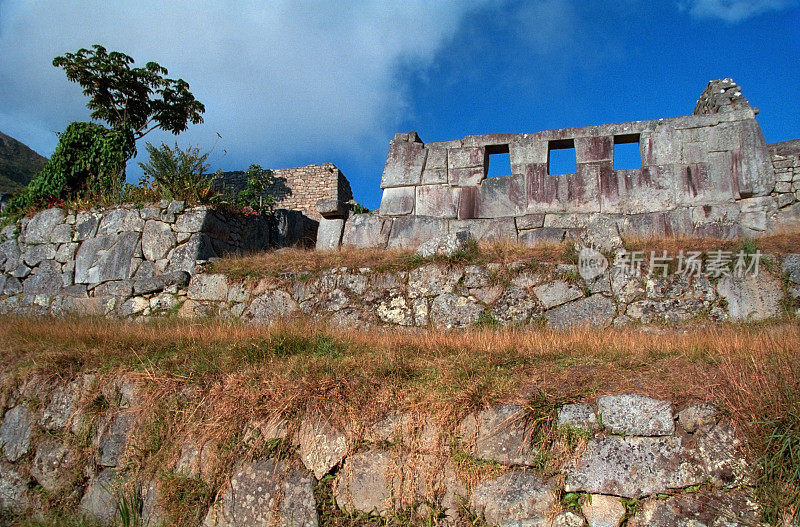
296, 260
210, 379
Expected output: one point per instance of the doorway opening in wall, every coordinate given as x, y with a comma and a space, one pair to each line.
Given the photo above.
627, 154
561, 157
498, 161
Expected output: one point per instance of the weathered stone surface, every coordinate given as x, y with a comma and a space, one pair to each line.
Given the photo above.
397, 201
445, 245
568, 519
578, 415
484, 230
432, 280
395, 309
52, 463
633, 467
269, 306
791, 266
595, 310
515, 306
13, 489
404, 164
185, 256
500, 434
9, 255
212, 287
705, 508
366, 230
105, 258
120, 220
632, 414
499, 197
698, 417
368, 482
160, 282
15, 432
157, 240
41, 226
718, 454
266, 493
330, 208
36, 253
516, 498
603, 511
453, 311
556, 293
440, 201
409, 232
322, 446
61, 407
45, 279
329, 234
114, 440
751, 298
102, 496
192, 220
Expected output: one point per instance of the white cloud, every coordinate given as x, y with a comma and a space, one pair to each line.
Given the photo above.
733, 11
281, 80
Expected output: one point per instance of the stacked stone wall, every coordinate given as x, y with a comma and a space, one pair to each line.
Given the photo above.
104, 261
684, 465
786, 164
301, 188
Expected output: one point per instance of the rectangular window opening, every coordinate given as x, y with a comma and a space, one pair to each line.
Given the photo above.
498, 161
627, 154
561, 157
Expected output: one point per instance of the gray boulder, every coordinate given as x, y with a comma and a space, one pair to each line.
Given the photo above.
271, 305
157, 240
554, 294
15, 432
41, 226
515, 306
582, 416
102, 496
595, 310
120, 220
445, 245
368, 482
707, 508
13, 489
61, 407
633, 467
52, 463
632, 414
157, 283
45, 279
432, 280
501, 434
698, 417
516, 498
322, 446
105, 258
791, 266
266, 493
752, 298
212, 287
115, 440
453, 311
603, 511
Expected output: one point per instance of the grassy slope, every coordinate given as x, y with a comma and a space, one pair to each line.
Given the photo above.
239, 374
18, 164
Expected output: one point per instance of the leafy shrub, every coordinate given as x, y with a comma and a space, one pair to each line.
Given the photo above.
177, 173
89, 161
252, 196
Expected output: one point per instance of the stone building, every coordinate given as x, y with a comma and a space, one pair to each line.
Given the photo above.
706, 174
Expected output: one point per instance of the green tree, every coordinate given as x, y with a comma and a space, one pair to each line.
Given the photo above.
138, 100
133, 102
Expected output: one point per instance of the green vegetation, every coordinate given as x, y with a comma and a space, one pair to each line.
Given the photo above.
177, 173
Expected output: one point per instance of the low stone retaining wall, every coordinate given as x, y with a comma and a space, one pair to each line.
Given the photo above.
621, 456
93, 261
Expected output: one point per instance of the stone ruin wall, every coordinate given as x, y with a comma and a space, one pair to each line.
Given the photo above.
709, 174
685, 464
301, 188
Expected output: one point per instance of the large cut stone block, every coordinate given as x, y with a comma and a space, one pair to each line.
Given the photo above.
542, 190
527, 151
501, 196
437, 158
706, 183
329, 234
397, 201
516, 498
366, 230
466, 177
580, 191
468, 157
633, 414
404, 164
755, 175
440, 201
409, 232
591, 149
502, 434
41, 226
486, 230
105, 258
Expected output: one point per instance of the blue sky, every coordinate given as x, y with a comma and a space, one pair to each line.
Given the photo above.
292, 83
